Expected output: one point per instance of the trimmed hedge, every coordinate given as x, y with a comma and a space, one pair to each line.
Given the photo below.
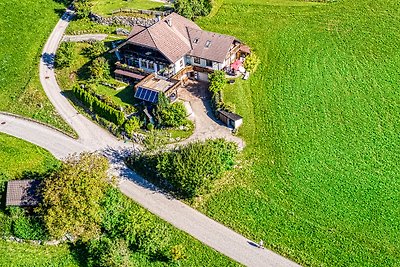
99, 107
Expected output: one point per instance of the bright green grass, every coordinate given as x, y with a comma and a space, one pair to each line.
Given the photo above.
18, 156
105, 7
24, 28
320, 181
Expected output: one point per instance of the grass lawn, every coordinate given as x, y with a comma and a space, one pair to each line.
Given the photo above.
25, 26
78, 71
320, 182
105, 7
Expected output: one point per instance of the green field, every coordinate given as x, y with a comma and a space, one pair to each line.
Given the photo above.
320, 182
24, 28
105, 7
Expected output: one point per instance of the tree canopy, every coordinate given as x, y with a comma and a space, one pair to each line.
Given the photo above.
72, 197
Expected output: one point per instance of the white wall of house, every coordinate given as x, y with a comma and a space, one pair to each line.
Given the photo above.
179, 65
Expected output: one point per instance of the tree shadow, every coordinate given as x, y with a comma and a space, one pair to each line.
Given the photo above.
79, 252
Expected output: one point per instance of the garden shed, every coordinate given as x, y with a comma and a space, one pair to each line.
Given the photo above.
22, 193
230, 119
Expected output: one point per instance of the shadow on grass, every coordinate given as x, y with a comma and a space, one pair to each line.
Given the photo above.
79, 252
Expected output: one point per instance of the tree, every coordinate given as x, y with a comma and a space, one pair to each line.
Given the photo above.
65, 55
95, 50
131, 125
99, 69
82, 8
72, 197
169, 115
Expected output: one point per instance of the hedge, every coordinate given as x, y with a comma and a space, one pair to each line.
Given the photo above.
99, 107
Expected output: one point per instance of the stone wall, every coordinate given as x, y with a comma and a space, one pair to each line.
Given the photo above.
123, 20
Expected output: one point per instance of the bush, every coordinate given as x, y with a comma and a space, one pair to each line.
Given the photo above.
109, 253
150, 126
217, 81
132, 125
82, 8
99, 107
178, 253
25, 227
251, 62
193, 8
172, 116
99, 69
65, 55
5, 225
189, 169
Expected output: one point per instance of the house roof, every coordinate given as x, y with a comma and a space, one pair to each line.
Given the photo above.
209, 45
173, 36
22, 193
172, 41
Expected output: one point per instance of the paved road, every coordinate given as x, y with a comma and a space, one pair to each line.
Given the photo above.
93, 137
84, 37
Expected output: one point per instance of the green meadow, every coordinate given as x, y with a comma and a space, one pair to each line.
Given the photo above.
24, 27
319, 180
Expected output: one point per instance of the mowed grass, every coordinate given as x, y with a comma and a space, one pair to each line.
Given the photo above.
320, 177
24, 27
106, 7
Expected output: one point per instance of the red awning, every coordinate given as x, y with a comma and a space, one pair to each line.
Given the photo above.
236, 65
129, 74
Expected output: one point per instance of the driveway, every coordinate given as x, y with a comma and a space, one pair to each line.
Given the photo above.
206, 124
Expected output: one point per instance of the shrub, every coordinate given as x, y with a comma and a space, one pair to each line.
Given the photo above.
25, 227
82, 8
178, 253
109, 253
251, 62
193, 8
99, 69
99, 107
172, 116
189, 169
65, 55
150, 126
217, 81
5, 225
132, 125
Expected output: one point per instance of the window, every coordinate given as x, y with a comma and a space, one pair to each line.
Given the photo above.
151, 65
196, 60
208, 43
195, 41
181, 63
209, 63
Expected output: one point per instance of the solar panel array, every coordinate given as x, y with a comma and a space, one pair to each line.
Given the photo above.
146, 95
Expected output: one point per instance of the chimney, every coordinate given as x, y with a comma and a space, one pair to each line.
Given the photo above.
169, 21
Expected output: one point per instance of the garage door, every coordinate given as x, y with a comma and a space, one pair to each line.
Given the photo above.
202, 76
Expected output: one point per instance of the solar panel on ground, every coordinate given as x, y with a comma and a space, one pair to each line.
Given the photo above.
146, 95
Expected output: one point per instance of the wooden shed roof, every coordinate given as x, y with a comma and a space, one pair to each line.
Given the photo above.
22, 193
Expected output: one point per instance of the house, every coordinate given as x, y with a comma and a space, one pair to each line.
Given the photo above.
172, 44
22, 193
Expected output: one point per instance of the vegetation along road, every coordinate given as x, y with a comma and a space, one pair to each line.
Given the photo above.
92, 137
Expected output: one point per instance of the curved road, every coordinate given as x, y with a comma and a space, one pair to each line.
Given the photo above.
93, 138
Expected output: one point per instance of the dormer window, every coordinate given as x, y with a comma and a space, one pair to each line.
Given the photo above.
195, 41
208, 43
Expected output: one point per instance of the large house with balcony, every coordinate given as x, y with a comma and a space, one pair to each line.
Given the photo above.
176, 47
